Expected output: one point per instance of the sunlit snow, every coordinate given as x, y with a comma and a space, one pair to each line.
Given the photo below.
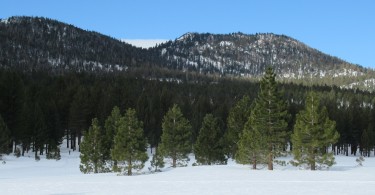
26, 176
144, 43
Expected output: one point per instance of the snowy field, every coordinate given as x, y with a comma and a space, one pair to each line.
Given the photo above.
26, 176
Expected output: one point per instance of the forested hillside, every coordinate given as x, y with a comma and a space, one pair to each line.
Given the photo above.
42, 44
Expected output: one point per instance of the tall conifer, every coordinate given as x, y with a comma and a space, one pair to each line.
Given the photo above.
176, 137
208, 148
251, 146
237, 118
92, 150
130, 145
111, 125
313, 133
4, 138
270, 116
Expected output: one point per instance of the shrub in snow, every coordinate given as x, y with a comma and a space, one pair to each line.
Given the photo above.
17, 153
157, 161
360, 160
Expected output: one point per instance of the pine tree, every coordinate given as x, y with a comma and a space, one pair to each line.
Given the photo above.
79, 118
129, 143
4, 138
237, 118
251, 146
367, 140
92, 150
176, 137
313, 134
111, 125
208, 147
39, 127
270, 116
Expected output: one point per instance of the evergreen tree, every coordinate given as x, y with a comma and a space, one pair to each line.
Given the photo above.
79, 119
208, 147
367, 140
251, 146
237, 118
157, 160
111, 125
4, 138
313, 133
176, 137
270, 116
92, 150
129, 143
39, 127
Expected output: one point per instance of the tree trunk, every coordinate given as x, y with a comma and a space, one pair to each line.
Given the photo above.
72, 140
23, 150
79, 141
174, 162
15, 146
313, 164
270, 158
174, 159
130, 167
67, 138
36, 152
254, 163
270, 162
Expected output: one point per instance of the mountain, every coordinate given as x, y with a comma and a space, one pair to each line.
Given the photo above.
35, 44
29, 44
242, 55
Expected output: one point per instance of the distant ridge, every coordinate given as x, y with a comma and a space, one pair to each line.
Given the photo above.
42, 44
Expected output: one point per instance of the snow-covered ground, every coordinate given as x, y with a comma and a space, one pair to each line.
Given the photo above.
26, 176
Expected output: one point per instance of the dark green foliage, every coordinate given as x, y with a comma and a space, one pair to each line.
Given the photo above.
92, 150
269, 117
238, 116
12, 104
129, 144
79, 114
4, 138
368, 140
313, 134
208, 148
39, 129
176, 137
111, 126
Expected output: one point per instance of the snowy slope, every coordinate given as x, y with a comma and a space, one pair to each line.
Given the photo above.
25, 176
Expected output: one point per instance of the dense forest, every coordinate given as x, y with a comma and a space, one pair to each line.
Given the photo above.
40, 110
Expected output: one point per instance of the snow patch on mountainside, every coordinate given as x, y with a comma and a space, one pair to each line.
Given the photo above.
368, 83
5, 20
144, 43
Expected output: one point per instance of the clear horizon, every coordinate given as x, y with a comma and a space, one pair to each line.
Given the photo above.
341, 28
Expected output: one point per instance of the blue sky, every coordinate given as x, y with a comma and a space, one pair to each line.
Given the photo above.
342, 28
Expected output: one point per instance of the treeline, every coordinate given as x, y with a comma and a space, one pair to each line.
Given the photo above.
39, 110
